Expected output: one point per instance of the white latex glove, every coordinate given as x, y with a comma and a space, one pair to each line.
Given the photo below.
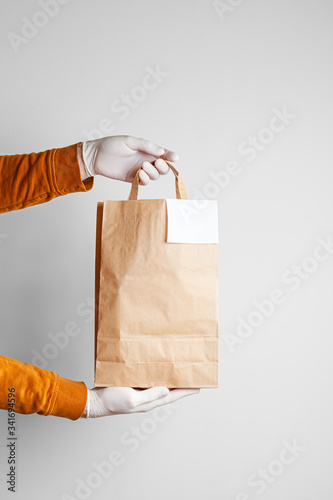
104, 401
120, 156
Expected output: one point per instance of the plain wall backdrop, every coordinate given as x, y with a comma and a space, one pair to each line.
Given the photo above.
243, 87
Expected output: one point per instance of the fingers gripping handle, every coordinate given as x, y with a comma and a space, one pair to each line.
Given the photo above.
180, 188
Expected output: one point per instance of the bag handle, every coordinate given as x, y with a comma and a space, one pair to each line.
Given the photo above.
180, 188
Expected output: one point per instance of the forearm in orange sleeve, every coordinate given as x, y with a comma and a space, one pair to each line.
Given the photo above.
40, 391
30, 179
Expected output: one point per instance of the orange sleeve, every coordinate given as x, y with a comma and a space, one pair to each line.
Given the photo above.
26, 180
40, 391
30, 179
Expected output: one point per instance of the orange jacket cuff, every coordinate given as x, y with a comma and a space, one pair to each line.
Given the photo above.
69, 399
66, 171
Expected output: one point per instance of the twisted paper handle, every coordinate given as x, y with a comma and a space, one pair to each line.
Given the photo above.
180, 188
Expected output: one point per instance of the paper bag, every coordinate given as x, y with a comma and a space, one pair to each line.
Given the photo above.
156, 321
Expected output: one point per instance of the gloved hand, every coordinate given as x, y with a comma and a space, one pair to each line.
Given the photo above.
119, 157
119, 400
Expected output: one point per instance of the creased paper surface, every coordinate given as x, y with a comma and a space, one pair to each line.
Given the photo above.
156, 303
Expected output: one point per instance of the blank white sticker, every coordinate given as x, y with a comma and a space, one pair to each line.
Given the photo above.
192, 221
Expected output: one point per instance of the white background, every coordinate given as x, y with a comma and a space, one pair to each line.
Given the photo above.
226, 73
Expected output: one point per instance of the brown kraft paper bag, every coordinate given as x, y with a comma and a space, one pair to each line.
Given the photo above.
156, 319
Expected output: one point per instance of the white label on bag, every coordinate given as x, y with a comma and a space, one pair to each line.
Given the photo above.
192, 221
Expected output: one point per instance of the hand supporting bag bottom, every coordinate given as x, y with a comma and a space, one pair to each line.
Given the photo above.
156, 319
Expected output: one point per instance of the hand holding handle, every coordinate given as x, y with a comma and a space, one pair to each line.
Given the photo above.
180, 188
